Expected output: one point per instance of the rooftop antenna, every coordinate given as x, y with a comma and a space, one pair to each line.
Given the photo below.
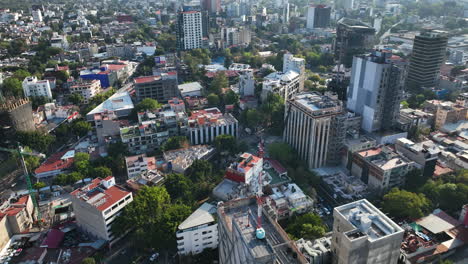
260, 232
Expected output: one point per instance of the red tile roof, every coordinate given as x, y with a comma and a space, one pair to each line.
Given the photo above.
55, 162
115, 67
146, 79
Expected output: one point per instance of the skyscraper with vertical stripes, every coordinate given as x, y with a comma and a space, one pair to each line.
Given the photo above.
315, 128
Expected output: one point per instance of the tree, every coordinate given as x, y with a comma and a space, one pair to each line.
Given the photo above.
404, 204
39, 185
253, 118
230, 97
226, 143
147, 104
282, 152
13, 87
88, 261
175, 142
101, 172
179, 187
75, 98
36, 140
81, 156
81, 128
153, 218
21, 74
307, 226
213, 99
414, 179
117, 149
219, 82
200, 170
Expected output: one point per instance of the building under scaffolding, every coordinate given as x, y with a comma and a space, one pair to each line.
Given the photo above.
16, 114
237, 223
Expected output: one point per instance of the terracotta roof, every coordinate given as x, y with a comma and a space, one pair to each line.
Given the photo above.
229, 74
55, 162
370, 152
146, 79
115, 67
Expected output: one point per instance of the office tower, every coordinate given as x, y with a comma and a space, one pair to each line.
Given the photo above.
189, 29
161, 88
212, 6
318, 16
352, 38
285, 16
427, 57
17, 113
238, 244
376, 89
363, 234
314, 127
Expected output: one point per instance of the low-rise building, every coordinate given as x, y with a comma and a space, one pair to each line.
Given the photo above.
32, 87
424, 154
287, 200
119, 103
317, 251
97, 204
205, 125
56, 164
16, 217
138, 164
381, 168
190, 89
179, 160
414, 118
198, 232
86, 88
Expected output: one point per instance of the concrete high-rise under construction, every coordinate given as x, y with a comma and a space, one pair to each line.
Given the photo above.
428, 55
315, 128
238, 244
16, 113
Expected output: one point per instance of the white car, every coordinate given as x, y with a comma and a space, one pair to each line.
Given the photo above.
154, 256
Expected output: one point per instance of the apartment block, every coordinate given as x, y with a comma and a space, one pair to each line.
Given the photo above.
138, 164
205, 125
97, 204
16, 217
318, 16
381, 168
363, 234
189, 30
33, 87
160, 88
198, 232
286, 84
315, 128
86, 88
424, 154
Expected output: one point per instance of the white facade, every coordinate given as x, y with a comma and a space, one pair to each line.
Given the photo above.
87, 89
95, 211
33, 87
198, 231
285, 84
206, 125
192, 30
247, 83
310, 17
138, 164
37, 15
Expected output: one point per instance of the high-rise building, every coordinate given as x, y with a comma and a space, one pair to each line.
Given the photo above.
161, 88
291, 63
363, 234
189, 29
344, 4
428, 55
212, 6
353, 37
376, 89
238, 244
318, 16
314, 127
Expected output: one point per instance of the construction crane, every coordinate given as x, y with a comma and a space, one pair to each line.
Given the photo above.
22, 153
260, 232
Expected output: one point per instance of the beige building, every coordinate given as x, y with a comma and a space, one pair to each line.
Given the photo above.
16, 218
86, 88
446, 112
363, 234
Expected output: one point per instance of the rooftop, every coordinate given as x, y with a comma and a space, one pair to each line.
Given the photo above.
190, 87
317, 104
101, 193
58, 161
203, 215
368, 220
117, 102
210, 116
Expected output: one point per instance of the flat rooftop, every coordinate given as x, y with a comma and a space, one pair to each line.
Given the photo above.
315, 102
368, 220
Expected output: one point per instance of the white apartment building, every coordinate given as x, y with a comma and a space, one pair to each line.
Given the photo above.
291, 63
285, 84
189, 30
205, 125
96, 206
315, 128
198, 231
137, 164
246, 83
33, 87
37, 15
87, 88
